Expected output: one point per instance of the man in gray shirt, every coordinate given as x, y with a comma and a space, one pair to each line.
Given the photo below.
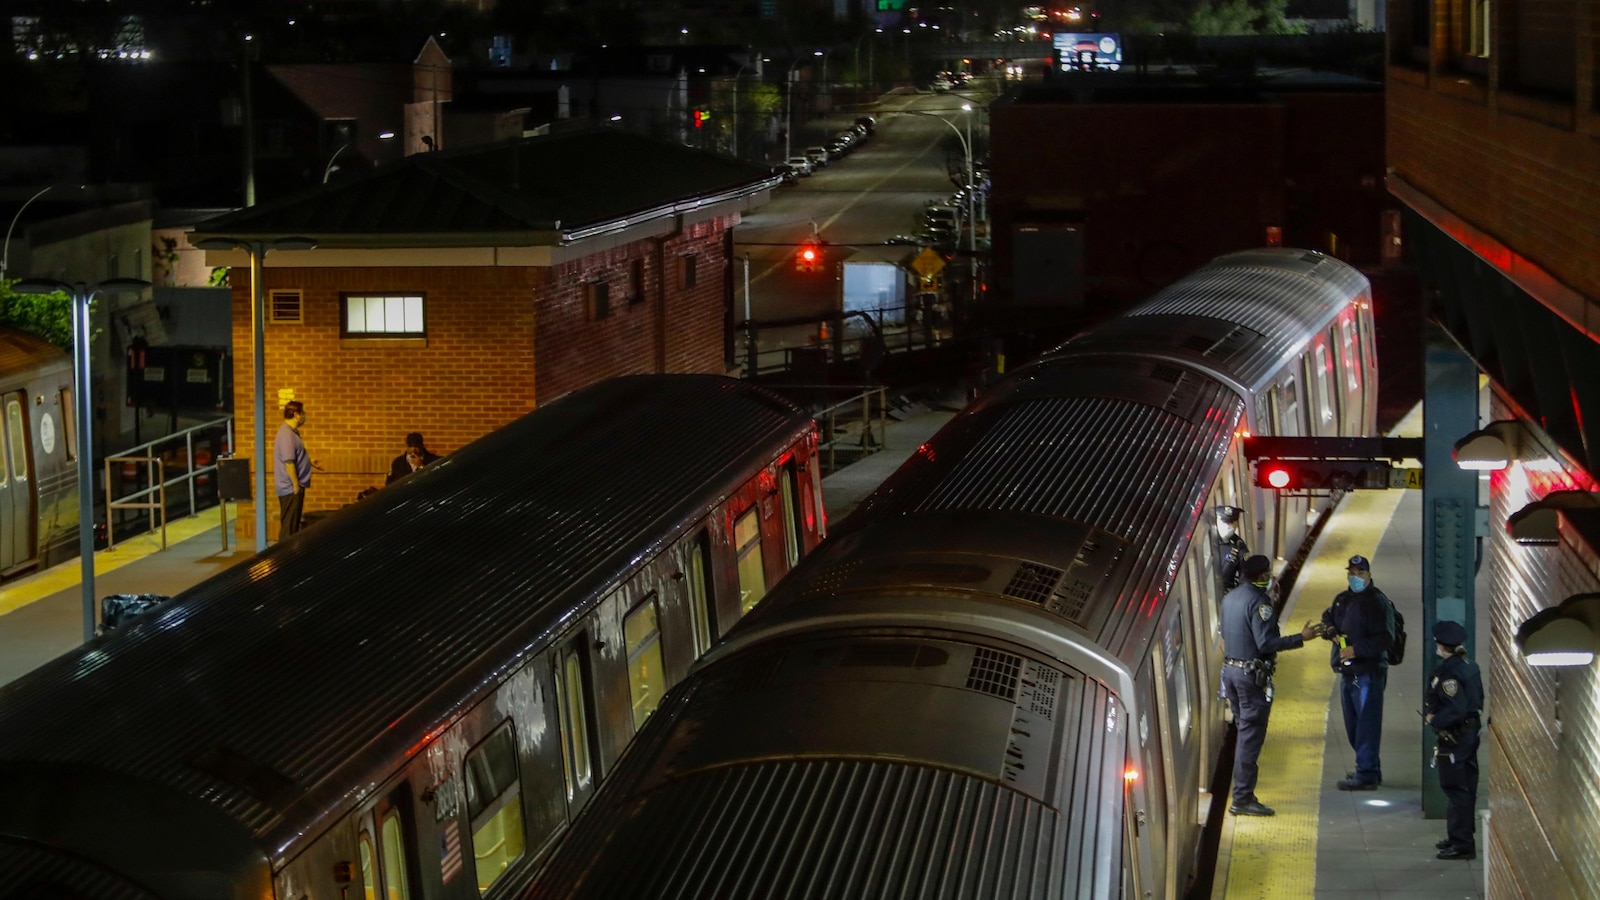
293, 469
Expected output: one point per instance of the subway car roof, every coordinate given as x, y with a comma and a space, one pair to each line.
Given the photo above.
24, 356
1245, 314
340, 648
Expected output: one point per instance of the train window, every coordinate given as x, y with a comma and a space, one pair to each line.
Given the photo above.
394, 858
1347, 338
752, 570
791, 515
494, 805
19, 440
641, 633
369, 882
1324, 396
1288, 423
1179, 676
701, 610
574, 719
69, 423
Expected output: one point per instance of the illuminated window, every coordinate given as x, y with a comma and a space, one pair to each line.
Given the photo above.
18, 438
394, 858
1324, 397
752, 571
574, 719
1479, 20
383, 315
1352, 372
701, 608
494, 806
369, 884
646, 681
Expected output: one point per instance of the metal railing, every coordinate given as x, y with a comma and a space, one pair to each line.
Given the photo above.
843, 336
857, 426
153, 455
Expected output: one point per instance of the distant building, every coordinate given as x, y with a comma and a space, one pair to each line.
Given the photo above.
1106, 187
452, 292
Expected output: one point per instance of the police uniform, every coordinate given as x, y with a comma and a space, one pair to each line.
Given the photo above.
1231, 550
1251, 643
1454, 701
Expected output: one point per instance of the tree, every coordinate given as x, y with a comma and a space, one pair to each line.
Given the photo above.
48, 316
1224, 17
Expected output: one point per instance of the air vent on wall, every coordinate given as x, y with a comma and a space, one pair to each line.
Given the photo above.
1032, 582
284, 308
994, 673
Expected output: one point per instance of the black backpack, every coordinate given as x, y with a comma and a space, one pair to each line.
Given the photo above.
1397, 647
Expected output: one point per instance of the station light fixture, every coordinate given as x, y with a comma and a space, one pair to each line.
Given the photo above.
1562, 635
1490, 448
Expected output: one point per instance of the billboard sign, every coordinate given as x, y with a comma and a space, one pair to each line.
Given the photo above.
1083, 51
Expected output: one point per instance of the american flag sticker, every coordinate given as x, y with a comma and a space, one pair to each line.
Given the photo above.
450, 850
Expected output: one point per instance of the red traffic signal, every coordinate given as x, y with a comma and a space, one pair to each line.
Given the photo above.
1322, 474
700, 118
809, 257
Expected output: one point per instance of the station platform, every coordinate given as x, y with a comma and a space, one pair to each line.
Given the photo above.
1323, 843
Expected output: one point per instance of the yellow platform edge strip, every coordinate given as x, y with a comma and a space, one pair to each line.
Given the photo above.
36, 587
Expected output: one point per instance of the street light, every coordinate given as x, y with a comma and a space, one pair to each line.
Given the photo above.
328, 169
5, 254
258, 250
81, 295
972, 229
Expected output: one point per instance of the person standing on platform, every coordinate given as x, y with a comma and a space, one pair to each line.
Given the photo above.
1251, 643
1231, 548
1360, 623
294, 469
1452, 708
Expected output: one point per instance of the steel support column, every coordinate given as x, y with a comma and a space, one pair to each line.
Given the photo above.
1449, 511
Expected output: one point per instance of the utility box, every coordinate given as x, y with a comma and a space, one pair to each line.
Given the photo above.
233, 479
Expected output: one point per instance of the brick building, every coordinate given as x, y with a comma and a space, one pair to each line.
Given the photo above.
455, 291
1494, 148
1106, 188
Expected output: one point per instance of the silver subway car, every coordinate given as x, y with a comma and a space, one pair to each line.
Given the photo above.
998, 677
412, 698
38, 449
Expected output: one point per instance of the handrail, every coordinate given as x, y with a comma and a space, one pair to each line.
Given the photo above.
158, 480
867, 443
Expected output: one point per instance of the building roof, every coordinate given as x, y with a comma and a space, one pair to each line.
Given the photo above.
533, 191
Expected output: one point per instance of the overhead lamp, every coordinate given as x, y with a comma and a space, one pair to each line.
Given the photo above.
1490, 448
1540, 521
1561, 635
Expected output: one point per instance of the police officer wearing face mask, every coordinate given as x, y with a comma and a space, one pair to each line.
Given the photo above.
1360, 623
1251, 643
1452, 706
1231, 548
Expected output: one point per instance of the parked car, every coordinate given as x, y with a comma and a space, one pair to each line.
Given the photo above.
868, 122
818, 156
786, 172
800, 164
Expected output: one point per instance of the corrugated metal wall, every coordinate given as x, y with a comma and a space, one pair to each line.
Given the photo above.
1543, 759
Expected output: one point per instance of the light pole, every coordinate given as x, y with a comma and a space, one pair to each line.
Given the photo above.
824, 83
258, 250
328, 169
736, 76
788, 112
966, 148
5, 255
81, 295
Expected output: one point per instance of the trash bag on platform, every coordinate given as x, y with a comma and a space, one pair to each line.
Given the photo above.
117, 609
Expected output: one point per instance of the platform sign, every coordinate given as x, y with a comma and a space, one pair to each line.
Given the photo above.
1082, 51
927, 263
1405, 479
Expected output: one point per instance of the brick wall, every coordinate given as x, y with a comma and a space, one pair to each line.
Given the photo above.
472, 374
672, 329
1507, 164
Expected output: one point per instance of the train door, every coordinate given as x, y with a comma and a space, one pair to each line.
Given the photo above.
1175, 725
1288, 420
382, 842
575, 707
794, 533
1350, 371
17, 519
494, 807
1323, 413
1369, 364
641, 638
701, 594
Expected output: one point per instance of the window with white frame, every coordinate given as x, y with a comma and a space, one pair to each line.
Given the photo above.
383, 316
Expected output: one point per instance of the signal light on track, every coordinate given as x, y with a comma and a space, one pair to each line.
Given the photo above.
1277, 477
1322, 474
809, 257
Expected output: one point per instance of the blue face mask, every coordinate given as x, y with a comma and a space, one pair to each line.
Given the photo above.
1357, 583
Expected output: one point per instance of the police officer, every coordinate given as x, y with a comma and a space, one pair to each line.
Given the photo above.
1251, 643
1452, 707
1360, 623
1231, 548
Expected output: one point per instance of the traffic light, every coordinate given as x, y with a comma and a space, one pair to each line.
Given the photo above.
700, 117
809, 257
1304, 475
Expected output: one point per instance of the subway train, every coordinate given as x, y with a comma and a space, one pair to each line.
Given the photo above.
998, 677
38, 477
412, 698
